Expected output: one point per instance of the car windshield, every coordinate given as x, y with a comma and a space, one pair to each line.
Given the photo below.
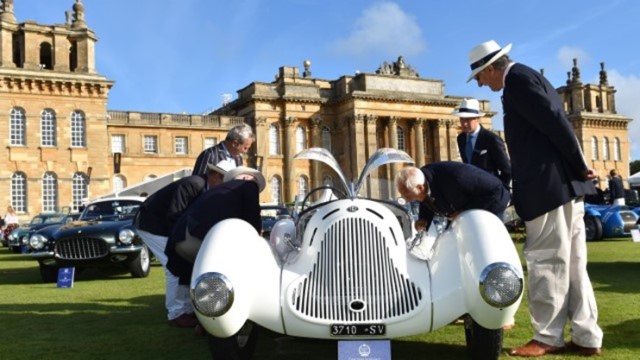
273, 212
37, 220
110, 210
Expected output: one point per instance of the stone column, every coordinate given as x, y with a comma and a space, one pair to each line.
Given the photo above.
394, 167
315, 126
288, 152
373, 184
262, 153
418, 131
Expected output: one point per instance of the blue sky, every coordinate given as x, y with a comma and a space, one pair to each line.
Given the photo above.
183, 55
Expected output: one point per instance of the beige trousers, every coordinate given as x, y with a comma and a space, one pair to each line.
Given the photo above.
559, 286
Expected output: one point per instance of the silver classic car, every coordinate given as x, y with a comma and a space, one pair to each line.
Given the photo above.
350, 266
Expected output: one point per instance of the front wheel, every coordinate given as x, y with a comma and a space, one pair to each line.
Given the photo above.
482, 343
237, 347
141, 264
48, 273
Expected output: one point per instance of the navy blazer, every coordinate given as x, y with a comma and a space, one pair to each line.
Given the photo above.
163, 208
547, 163
489, 154
455, 187
232, 199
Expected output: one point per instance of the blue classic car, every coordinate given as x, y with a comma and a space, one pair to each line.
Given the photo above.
103, 236
606, 221
19, 238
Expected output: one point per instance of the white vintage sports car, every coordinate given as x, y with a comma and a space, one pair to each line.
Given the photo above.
353, 268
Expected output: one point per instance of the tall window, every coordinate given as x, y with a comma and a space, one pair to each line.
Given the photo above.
274, 140
17, 124
276, 190
19, 192
181, 145
150, 144
400, 138
48, 128
605, 148
326, 138
616, 149
49, 192
117, 144
594, 148
78, 130
119, 183
303, 185
301, 140
79, 191
209, 142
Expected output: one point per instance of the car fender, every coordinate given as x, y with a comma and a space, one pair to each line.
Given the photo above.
235, 249
477, 239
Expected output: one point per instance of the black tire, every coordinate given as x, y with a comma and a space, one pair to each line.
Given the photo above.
593, 228
16, 249
49, 274
141, 264
237, 347
482, 343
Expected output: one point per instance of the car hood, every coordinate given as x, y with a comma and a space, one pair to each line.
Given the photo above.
86, 227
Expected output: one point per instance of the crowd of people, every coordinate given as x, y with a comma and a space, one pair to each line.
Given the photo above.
543, 154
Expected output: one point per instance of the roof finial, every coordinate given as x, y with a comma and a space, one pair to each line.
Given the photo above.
575, 71
7, 11
603, 75
78, 16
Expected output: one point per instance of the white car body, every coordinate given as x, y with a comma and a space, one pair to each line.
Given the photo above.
354, 264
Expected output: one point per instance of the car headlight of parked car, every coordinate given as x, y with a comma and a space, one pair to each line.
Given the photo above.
212, 294
500, 285
37, 241
126, 236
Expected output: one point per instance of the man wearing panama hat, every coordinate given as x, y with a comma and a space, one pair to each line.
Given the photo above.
550, 179
237, 197
481, 147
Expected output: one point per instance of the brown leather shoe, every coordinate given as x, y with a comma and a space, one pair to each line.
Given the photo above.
184, 321
582, 350
536, 348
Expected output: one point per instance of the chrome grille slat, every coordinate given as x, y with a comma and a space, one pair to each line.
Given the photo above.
354, 263
81, 248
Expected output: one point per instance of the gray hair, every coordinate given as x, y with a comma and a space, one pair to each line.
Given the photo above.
240, 133
409, 178
502, 62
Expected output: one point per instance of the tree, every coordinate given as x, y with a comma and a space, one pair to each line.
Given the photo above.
634, 167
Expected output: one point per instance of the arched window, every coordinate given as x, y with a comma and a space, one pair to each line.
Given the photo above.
274, 140
78, 129
605, 148
594, 148
400, 138
17, 127
301, 140
49, 192
303, 185
119, 183
616, 149
326, 138
46, 58
19, 191
276, 190
48, 128
73, 56
79, 190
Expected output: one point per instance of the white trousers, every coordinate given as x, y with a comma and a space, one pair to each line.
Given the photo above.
559, 286
177, 299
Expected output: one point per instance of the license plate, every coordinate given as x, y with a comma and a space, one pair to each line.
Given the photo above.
358, 329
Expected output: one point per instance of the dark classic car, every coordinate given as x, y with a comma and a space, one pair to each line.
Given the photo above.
103, 236
19, 238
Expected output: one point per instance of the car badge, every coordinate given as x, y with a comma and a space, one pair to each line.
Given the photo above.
352, 209
79, 231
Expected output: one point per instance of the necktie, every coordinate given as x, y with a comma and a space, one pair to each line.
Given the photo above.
469, 148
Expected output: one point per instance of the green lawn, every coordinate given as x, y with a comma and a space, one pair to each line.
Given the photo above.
108, 315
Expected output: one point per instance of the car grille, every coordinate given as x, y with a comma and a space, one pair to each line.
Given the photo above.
354, 278
81, 248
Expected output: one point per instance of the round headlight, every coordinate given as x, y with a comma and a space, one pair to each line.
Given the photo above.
500, 285
212, 295
126, 236
37, 241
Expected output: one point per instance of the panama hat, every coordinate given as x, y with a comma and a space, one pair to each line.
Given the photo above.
243, 170
221, 168
484, 55
469, 108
